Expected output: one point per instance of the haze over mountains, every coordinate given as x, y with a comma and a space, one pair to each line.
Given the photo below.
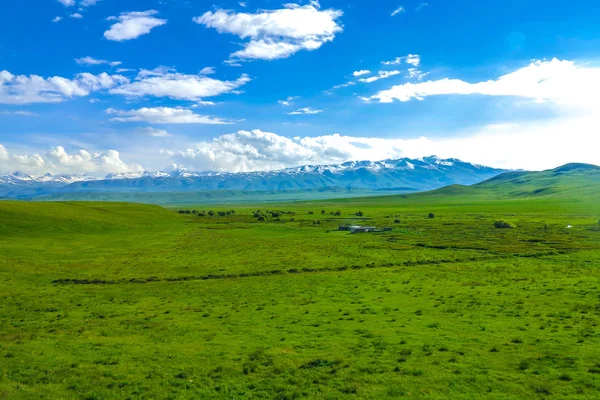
401, 175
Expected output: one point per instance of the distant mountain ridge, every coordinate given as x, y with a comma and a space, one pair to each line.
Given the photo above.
403, 174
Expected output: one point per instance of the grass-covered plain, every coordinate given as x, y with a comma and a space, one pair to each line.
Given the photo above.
111, 301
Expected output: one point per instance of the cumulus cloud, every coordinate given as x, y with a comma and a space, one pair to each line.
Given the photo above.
67, 3
560, 82
361, 72
501, 145
76, 16
132, 25
278, 33
398, 11
304, 111
163, 115
93, 61
23, 89
380, 75
56, 19
58, 161
164, 82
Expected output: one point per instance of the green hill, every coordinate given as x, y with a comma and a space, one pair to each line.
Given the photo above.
570, 181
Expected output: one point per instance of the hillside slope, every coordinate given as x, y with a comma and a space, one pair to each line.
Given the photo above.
572, 181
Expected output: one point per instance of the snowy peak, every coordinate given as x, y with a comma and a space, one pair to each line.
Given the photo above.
407, 174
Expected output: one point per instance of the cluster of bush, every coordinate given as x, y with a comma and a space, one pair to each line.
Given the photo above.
210, 213
269, 214
504, 225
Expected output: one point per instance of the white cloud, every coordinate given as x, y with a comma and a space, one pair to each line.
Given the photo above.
304, 111
93, 61
149, 131
88, 3
415, 73
163, 82
242, 4
58, 161
76, 16
277, 33
421, 6
412, 59
502, 146
560, 82
67, 3
132, 25
19, 113
56, 19
398, 11
380, 75
343, 85
361, 72
207, 71
163, 115
288, 101
23, 89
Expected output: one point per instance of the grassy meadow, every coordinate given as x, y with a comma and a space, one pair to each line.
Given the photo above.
128, 301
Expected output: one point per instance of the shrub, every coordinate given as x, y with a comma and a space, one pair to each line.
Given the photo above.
275, 214
211, 213
222, 213
202, 214
431, 216
311, 212
338, 213
396, 221
359, 214
504, 225
257, 214
262, 218
322, 211
194, 212
317, 222
181, 211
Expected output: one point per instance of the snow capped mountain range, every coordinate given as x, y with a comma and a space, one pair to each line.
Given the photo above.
402, 174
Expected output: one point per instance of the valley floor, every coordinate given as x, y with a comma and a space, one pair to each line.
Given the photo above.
124, 301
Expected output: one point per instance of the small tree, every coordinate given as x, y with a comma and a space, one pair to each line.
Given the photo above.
397, 221
311, 212
188, 212
338, 213
431, 216
359, 214
222, 213
181, 211
194, 212
262, 218
322, 211
211, 213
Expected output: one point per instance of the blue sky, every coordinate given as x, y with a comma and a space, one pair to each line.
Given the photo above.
116, 86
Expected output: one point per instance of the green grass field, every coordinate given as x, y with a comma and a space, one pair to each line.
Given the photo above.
128, 301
